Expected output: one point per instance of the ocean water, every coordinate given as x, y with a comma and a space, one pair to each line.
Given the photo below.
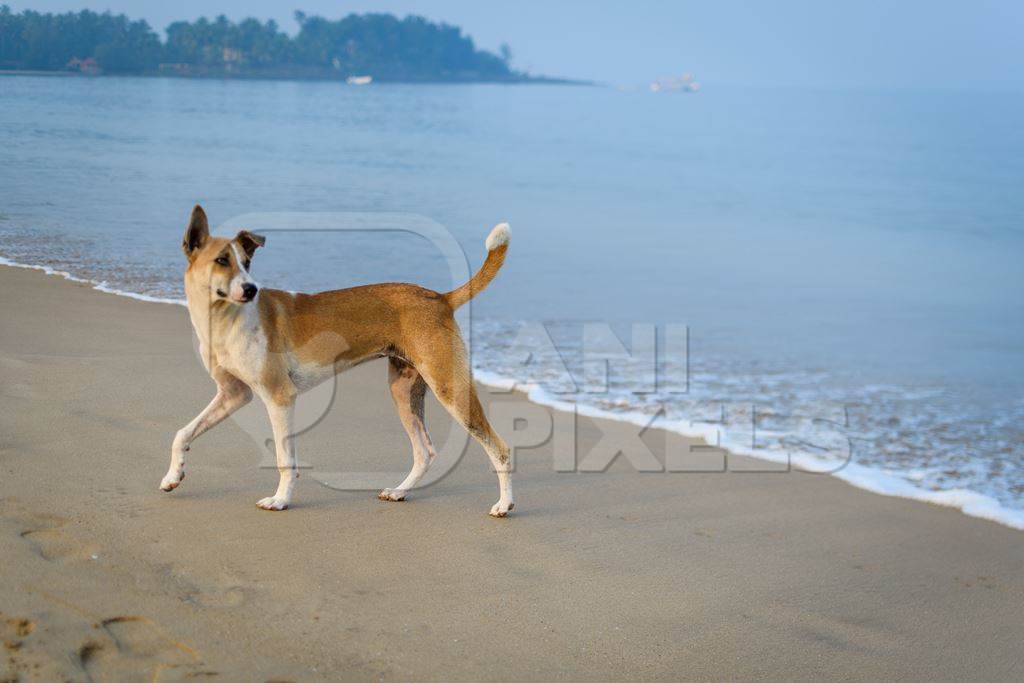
847, 263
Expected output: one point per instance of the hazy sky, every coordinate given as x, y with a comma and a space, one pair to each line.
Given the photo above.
924, 43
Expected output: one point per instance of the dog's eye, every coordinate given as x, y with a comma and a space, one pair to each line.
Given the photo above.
222, 261
247, 262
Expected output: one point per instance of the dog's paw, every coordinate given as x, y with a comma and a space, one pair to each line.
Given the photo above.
392, 495
273, 503
171, 480
502, 508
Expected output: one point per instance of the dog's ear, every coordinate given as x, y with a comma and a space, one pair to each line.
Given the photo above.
250, 241
197, 232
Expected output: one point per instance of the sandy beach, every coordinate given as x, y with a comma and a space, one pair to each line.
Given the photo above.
596, 576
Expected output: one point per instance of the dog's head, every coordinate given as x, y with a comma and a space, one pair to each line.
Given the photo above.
219, 264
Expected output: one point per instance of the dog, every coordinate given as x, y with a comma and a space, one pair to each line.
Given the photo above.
276, 344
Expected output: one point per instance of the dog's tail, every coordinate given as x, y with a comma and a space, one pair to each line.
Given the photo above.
497, 245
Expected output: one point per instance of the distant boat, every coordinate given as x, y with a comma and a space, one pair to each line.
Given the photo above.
684, 83
359, 80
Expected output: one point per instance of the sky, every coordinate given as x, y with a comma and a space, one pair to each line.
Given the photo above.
944, 44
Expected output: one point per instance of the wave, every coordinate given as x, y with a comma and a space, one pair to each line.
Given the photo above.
872, 479
101, 286
969, 502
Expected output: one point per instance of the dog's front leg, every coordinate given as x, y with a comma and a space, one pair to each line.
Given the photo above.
232, 394
281, 420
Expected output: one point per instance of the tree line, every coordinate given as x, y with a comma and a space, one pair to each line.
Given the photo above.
381, 45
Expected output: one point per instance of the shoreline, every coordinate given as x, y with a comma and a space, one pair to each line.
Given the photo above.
327, 78
744, 575
968, 502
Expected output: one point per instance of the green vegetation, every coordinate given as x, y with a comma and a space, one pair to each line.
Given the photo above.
381, 45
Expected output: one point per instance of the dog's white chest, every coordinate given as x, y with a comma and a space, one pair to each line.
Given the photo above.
242, 351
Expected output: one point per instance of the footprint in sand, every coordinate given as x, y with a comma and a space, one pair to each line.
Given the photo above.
46, 535
13, 633
140, 637
55, 545
49, 539
137, 649
220, 592
42, 532
230, 597
125, 648
18, 628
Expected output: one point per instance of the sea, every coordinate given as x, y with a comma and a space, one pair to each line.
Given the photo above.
843, 267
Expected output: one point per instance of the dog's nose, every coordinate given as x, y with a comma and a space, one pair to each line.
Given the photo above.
249, 291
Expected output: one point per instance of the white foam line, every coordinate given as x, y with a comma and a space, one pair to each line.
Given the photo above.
99, 286
971, 503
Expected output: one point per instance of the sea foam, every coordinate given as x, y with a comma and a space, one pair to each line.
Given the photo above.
873, 479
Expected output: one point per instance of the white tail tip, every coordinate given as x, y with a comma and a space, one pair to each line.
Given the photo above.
498, 236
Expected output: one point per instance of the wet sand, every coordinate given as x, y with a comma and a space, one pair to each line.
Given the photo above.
736, 575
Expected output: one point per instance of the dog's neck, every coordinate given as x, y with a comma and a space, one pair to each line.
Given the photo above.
215, 320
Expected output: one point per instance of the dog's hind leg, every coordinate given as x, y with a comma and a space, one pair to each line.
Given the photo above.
449, 377
232, 394
408, 390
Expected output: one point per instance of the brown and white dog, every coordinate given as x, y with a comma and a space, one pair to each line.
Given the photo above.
277, 344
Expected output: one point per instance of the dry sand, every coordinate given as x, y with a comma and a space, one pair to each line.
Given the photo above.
597, 576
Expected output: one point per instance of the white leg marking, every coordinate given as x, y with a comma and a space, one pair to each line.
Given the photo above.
281, 421
408, 392
228, 400
497, 450
506, 500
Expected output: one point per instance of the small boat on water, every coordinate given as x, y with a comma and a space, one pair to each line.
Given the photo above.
684, 83
359, 80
